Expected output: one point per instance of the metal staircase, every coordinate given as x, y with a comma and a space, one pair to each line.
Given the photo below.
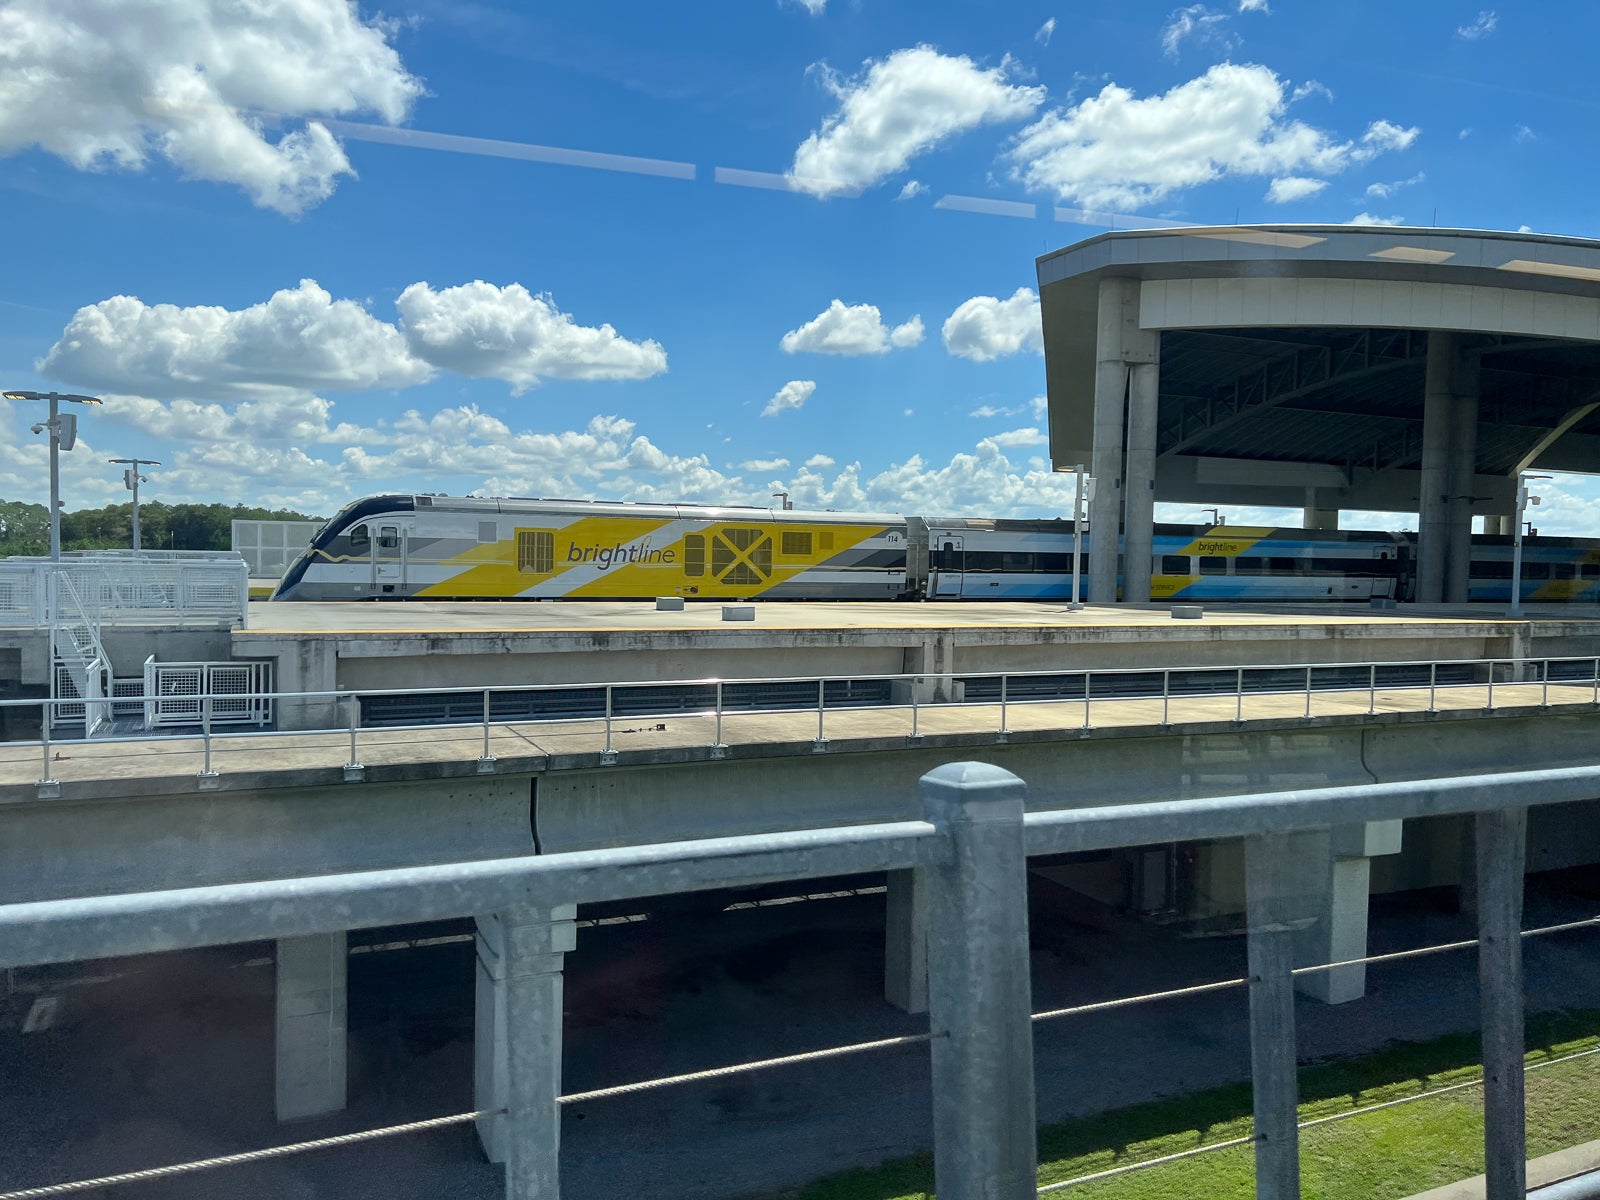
81, 669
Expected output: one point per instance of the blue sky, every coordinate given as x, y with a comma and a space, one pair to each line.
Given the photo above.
704, 252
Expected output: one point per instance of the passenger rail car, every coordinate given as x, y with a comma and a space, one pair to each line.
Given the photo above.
449, 548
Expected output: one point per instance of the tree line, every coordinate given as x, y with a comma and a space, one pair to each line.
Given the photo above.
25, 528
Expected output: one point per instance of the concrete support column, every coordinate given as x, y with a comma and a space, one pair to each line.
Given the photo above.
905, 936
1105, 510
1463, 477
1272, 894
1319, 518
1433, 524
1337, 930
980, 991
311, 1027
1139, 482
517, 1042
1501, 841
309, 665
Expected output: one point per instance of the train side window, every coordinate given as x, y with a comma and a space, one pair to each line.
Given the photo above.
1281, 566
1055, 564
796, 543
1566, 570
1213, 564
1252, 564
1589, 570
1535, 570
1489, 568
694, 554
1174, 564
1016, 561
359, 539
536, 551
388, 537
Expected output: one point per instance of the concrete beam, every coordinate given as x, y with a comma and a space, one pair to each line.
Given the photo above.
905, 938
311, 1025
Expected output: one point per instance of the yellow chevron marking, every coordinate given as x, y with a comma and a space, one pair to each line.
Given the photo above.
1563, 590
1228, 541
491, 568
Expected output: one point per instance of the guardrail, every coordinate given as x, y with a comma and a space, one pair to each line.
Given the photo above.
127, 586
971, 846
1044, 701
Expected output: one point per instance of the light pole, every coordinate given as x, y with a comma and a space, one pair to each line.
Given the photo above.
133, 479
63, 436
1216, 516
1523, 500
1082, 494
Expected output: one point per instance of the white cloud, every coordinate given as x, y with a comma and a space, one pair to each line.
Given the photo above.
1045, 32
104, 84
1366, 218
1382, 191
1480, 28
985, 327
508, 333
897, 108
814, 7
1115, 150
986, 411
912, 189
764, 464
1523, 134
793, 394
1294, 187
301, 338
851, 330
819, 460
1259, 6
1019, 437
1524, 228
1311, 88
1195, 23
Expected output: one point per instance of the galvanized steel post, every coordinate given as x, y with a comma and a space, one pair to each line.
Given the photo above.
979, 986
535, 940
1501, 840
1275, 1079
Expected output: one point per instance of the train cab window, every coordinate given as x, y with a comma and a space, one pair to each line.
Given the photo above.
1213, 564
796, 543
1174, 564
536, 551
1535, 570
694, 554
359, 539
1566, 570
388, 537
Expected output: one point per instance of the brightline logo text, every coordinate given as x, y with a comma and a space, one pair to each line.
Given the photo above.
620, 554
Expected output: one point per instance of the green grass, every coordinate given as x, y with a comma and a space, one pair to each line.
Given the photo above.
1375, 1156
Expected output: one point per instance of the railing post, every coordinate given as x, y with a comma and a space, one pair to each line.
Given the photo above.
1372, 688
608, 756
979, 993
1269, 887
1308, 693
1544, 691
1433, 684
1088, 699
1002, 735
1238, 705
48, 787
718, 748
353, 770
916, 730
207, 777
535, 942
1166, 695
1489, 701
486, 761
1501, 840
1596, 699
820, 744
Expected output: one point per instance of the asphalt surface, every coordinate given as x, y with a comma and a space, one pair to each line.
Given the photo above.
139, 1062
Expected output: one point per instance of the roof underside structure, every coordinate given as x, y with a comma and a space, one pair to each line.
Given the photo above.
1292, 359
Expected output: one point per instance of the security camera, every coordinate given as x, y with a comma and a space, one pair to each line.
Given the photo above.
39, 426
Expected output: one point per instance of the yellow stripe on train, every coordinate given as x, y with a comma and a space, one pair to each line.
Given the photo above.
1228, 541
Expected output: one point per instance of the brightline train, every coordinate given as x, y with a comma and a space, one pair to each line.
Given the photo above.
448, 548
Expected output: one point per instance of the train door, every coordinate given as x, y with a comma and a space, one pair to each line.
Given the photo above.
390, 552
949, 562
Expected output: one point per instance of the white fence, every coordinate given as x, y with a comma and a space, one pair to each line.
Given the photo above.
178, 694
268, 547
123, 586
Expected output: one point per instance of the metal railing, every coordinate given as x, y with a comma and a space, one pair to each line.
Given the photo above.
971, 844
127, 586
705, 712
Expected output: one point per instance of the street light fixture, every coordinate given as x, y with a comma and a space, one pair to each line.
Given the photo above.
1216, 516
63, 436
132, 479
1523, 500
1083, 493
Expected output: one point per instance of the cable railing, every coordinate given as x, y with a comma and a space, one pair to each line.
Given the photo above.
588, 718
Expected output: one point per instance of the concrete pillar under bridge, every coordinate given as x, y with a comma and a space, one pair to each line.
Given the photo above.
311, 1025
1122, 350
1319, 518
1449, 468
